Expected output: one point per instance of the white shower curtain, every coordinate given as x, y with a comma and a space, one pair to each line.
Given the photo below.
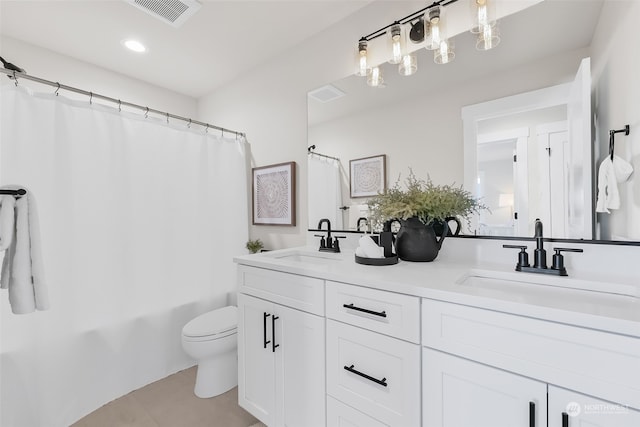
325, 191
139, 222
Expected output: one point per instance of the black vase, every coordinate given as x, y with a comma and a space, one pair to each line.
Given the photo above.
438, 226
418, 242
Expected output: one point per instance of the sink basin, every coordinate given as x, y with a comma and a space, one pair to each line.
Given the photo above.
501, 280
321, 258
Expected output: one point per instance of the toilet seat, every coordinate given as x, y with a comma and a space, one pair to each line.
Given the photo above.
213, 325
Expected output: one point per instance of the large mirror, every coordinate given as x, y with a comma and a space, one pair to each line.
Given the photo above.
417, 121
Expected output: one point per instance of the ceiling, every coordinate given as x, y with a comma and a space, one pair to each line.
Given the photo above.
542, 31
222, 40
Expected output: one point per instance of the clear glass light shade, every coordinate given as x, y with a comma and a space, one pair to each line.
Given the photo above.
374, 79
409, 65
362, 60
488, 38
445, 53
436, 24
483, 14
396, 44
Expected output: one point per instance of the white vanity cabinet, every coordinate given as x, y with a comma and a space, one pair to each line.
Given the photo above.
373, 378
488, 368
281, 349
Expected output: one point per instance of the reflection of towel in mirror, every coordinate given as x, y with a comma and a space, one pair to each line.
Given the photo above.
610, 174
22, 267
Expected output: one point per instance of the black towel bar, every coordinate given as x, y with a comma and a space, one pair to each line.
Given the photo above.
19, 192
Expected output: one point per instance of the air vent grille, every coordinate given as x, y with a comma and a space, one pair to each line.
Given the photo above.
326, 93
174, 12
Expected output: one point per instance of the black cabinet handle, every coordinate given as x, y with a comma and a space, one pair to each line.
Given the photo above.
565, 419
273, 333
532, 414
264, 330
364, 310
382, 382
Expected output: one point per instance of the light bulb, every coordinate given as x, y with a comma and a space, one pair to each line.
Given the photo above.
363, 62
483, 13
408, 66
436, 28
489, 38
397, 44
444, 54
375, 77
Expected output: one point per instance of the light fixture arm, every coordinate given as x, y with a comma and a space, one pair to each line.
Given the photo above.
408, 18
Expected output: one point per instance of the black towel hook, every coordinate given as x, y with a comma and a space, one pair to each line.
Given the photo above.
612, 138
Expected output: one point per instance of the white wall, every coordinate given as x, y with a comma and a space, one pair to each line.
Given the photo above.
616, 71
49, 65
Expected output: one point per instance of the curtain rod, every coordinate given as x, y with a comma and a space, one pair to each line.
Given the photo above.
312, 147
120, 103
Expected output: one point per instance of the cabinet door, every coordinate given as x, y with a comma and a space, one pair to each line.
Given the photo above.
571, 409
460, 393
256, 368
300, 368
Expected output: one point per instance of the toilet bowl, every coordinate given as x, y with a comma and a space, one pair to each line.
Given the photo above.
211, 340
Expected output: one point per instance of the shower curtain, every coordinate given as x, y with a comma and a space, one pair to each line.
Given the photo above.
140, 220
325, 191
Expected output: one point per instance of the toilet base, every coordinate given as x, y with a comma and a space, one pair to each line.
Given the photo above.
217, 375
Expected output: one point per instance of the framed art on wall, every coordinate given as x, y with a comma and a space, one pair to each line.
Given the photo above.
273, 190
367, 176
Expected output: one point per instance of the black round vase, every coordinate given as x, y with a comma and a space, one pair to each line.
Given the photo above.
418, 242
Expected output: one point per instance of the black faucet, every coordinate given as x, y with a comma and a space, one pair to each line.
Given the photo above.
327, 244
540, 256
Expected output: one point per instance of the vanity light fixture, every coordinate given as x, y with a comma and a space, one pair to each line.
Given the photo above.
428, 26
397, 44
363, 61
374, 79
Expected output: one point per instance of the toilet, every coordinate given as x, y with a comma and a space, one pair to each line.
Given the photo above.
211, 339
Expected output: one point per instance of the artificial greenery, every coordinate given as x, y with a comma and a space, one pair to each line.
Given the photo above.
422, 199
254, 246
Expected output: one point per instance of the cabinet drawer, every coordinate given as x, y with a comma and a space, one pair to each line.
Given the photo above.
389, 313
375, 374
300, 292
598, 363
341, 415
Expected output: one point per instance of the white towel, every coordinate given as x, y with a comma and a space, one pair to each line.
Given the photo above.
7, 221
610, 173
369, 248
22, 267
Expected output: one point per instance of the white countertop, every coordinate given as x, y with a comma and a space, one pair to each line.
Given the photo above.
614, 307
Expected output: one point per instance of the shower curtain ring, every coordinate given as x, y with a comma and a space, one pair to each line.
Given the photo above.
206, 129
90, 98
167, 118
119, 106
15, 78
189, 124
146, 113
57, 88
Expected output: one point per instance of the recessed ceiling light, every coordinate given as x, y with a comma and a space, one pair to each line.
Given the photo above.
134, 45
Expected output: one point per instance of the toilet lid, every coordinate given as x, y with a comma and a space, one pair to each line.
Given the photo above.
212, 323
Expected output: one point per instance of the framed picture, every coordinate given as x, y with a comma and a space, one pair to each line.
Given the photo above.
274, 190
367, 176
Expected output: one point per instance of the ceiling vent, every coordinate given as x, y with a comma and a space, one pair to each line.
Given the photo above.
173, 12
326, 93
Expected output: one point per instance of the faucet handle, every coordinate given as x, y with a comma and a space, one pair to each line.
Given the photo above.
523, 256
558, 259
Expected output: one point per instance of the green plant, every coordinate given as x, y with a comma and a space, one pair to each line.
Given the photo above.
422, 199
254, 246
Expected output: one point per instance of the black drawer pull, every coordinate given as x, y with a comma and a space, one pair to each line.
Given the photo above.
532, 414
382, 382
264, 330
273, 333
364, 310
565, 419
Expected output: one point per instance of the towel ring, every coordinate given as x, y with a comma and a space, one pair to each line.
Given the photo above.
612, 133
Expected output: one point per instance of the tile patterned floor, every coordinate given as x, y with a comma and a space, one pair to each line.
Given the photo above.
170, 402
